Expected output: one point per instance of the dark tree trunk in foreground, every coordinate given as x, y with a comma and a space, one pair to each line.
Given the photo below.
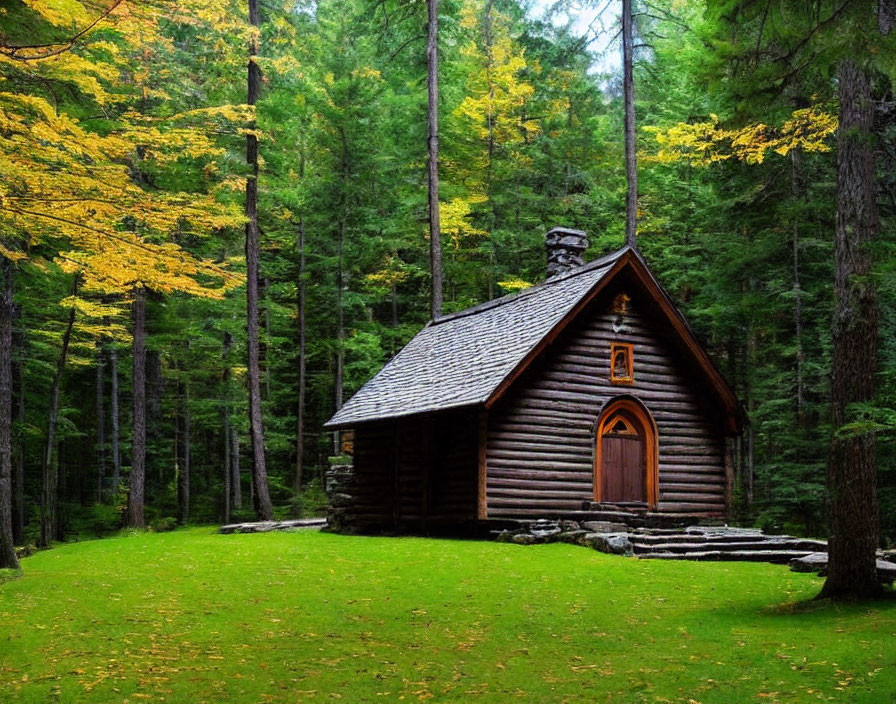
135, 517
300, 415
7, 549
852, 473
432, 91
116, 425
262, 502
49, 464
100, 422
631, 166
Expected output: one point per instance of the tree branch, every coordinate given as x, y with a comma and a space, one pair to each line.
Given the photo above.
63, 46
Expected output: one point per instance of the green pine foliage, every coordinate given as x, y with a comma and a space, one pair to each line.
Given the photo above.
531, 137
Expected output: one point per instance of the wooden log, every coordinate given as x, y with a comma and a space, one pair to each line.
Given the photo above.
689, 478
515, 473
546, 464
543, 494
502, 440
551, 454
585, 484
690, 497
691, 491
572, 504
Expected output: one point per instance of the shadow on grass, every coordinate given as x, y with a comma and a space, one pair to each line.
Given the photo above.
7, 575
885, 602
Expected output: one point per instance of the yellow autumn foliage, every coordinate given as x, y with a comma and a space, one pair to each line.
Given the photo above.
65, 181
494, 110
514, 285
706, 143
454, 218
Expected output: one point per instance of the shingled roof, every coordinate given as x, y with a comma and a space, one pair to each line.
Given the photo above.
462, 358
468, 358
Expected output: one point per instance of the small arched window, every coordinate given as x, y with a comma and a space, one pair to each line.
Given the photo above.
622, 363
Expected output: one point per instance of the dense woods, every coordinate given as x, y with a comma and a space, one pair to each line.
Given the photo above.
195, 276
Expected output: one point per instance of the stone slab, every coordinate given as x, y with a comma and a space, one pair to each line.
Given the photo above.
268, 526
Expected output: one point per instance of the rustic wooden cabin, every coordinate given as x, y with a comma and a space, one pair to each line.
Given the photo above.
587, 390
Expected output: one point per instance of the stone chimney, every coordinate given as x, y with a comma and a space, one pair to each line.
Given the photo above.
565, 248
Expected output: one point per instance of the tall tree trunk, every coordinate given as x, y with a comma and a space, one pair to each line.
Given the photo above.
432, 92
852, 472
300, 414
227, 489
338, 390
225, 379
796, 190
236, 478
135, 517
49, 464
116, 423
18, 528
487, 41
631, 166
7, 549
183, 475
262, 501
267, 339
100, 422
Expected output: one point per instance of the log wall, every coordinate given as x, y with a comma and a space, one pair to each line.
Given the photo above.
541, 436
415, 473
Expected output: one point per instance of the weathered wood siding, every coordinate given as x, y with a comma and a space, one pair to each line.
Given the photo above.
416, 472
541, 436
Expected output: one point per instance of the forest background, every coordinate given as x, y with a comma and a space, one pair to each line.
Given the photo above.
123, 174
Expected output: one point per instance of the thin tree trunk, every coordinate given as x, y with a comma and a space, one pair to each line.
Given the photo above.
49, 465
100, 423
340, 328
852, 472
225, 379
631, 167
236, 479
300, 414
262, 499
19, 457
227, 464
264, 342
490, 143
796, 189
135, 517
394, 302
7, 548
116, 423
183, 477
432, 91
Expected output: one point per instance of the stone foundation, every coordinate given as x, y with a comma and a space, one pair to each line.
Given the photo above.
339, 486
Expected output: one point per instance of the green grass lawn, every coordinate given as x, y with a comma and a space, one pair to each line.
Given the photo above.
193, 616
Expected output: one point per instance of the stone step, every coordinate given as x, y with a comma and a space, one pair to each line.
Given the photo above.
632, 520
818, 562
630, 507
774, 556
729, 545
676, 537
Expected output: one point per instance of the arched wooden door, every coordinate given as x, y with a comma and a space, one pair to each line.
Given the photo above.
626, 455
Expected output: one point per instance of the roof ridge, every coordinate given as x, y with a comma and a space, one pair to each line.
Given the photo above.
510, 297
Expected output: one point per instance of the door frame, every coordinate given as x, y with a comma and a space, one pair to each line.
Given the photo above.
649, 442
